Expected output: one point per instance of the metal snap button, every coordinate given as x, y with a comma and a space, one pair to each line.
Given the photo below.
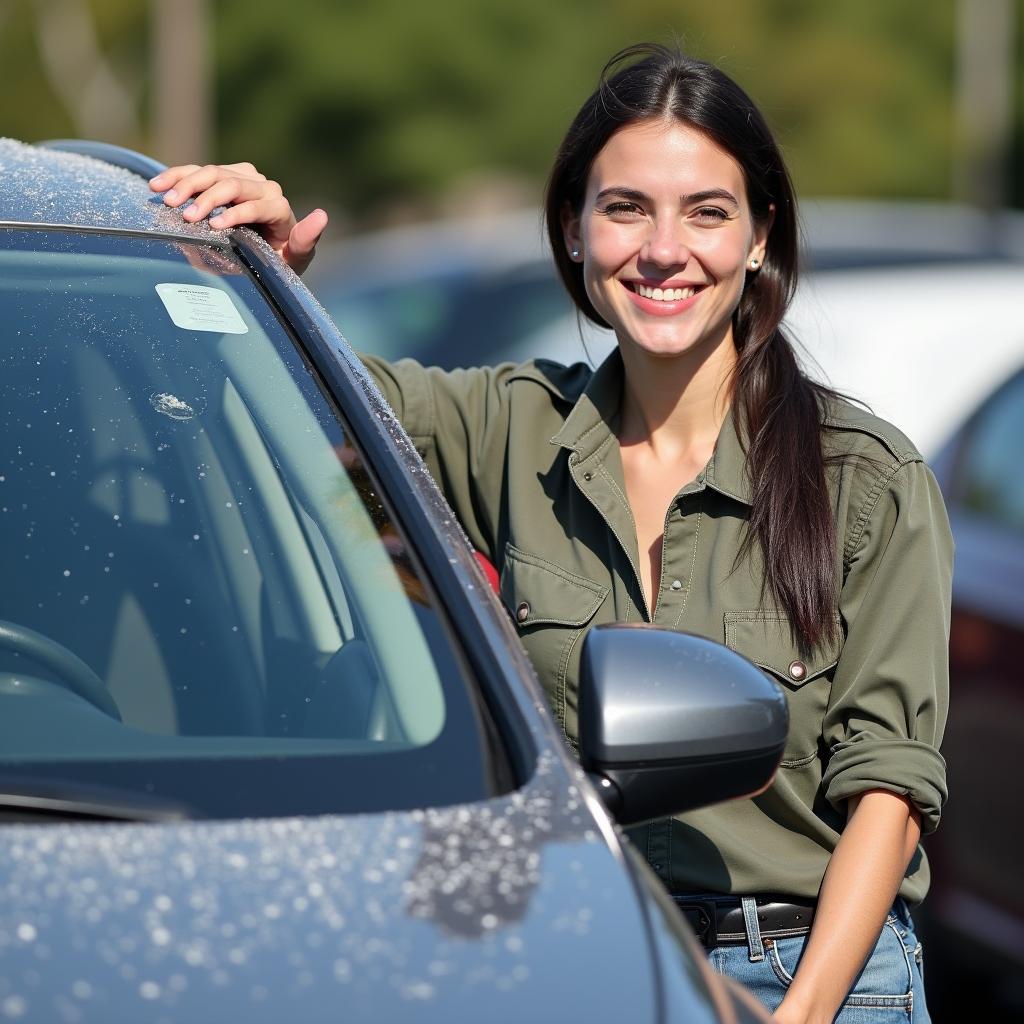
677, 584
523, 612
797, 670
588, 476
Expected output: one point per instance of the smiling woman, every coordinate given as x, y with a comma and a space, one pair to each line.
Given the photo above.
699, 480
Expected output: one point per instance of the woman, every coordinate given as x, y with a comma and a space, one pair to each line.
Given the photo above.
699, 480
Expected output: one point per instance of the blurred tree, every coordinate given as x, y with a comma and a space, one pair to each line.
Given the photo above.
77, 67
380, 107
362, 102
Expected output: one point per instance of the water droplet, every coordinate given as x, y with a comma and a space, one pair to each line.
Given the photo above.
81, 989
14, 1006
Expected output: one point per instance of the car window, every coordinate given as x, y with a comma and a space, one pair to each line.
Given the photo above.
989, 479
198, 568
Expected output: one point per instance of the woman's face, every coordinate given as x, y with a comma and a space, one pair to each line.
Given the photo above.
666, 238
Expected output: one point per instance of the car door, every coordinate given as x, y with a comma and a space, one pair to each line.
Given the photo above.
978, 884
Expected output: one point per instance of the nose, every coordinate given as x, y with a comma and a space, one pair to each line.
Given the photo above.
665, 245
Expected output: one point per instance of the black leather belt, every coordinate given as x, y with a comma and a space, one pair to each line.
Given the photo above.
719, 921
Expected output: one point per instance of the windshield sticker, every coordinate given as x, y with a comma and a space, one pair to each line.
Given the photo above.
195, 307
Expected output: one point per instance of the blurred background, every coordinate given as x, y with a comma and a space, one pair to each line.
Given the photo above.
426, 130
389, 110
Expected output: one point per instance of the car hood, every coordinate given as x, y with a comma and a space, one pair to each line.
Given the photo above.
517, 904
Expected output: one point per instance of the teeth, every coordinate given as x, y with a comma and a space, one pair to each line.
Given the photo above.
664, 294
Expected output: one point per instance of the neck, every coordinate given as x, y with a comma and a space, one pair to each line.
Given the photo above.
673, 404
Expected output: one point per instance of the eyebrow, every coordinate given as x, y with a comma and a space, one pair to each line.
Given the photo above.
693, 197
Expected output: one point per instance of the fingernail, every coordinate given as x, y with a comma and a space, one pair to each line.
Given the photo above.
215, 222
171, 196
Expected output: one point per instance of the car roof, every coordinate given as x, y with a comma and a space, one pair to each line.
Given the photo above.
44, 186
923, 346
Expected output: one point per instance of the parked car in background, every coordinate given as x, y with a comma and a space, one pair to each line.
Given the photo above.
454, 293
939, 350
270, 749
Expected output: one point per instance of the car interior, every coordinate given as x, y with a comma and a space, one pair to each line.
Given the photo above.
190, 545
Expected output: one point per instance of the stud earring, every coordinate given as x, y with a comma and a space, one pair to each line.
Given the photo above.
575, 254
755, 263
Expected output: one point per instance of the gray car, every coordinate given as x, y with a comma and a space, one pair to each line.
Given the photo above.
269, 747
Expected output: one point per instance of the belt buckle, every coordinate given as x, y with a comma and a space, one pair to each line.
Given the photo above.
701, 915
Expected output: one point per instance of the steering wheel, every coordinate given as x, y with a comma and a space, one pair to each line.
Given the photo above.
67, 666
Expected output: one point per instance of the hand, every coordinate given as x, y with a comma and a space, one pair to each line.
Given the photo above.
250, 199
789, 1013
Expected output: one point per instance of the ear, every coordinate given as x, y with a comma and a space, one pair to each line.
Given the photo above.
759, 243
571, 233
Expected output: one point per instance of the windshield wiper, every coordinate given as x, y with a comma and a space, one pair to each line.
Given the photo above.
73, 803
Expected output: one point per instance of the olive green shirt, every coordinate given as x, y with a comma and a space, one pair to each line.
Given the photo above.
529, 460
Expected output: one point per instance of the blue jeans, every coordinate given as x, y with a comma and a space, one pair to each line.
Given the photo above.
890, 988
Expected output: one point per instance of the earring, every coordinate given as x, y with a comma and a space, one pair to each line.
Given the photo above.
755, 263
575, 254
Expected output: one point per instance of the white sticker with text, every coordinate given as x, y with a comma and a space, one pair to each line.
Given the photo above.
198, 308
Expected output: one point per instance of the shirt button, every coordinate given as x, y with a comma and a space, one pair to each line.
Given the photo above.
797, 670
588, 476
677, 584
523, 612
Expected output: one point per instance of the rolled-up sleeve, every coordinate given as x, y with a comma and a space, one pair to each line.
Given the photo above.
889, 696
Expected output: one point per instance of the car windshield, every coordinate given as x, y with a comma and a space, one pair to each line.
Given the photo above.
205, 599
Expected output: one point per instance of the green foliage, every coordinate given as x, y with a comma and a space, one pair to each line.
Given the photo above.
359, 103
370, 104
32, 109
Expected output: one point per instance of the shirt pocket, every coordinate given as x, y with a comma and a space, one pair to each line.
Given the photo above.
551, 607
765, 639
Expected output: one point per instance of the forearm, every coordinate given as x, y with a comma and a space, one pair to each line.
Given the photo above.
860, 884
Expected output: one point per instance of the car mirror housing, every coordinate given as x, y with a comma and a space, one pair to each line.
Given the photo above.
671, 721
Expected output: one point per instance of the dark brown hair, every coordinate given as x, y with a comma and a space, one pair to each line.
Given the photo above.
779, 409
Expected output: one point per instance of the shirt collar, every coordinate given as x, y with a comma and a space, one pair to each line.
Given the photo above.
595, 415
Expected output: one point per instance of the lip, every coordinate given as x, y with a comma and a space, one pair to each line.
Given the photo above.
659, 307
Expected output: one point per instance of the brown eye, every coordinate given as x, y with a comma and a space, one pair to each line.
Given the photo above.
622, 209
712, 215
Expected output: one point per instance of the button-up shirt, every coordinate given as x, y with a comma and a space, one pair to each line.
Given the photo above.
529, 459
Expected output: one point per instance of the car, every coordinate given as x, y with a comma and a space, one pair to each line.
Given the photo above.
975, 920
269, 745
461, 292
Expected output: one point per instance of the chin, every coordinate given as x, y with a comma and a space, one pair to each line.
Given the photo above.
661, 348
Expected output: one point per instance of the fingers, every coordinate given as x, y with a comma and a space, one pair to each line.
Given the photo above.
232, 190
249, 197
181, 183
272, 217
168, 178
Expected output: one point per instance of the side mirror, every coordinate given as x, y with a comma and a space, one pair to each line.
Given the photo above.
671, 721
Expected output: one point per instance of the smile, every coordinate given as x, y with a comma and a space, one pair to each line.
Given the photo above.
662, 301
664, 294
